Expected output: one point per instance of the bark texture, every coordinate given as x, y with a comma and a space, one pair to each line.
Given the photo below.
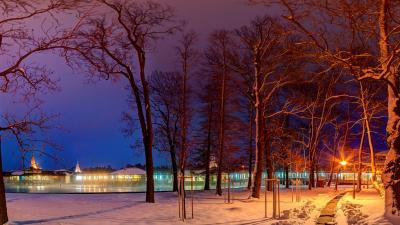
3, 205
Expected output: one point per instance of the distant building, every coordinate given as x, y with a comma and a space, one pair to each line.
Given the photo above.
130, 174
351, 156
380, 158
347, 172
35, 175
129, 171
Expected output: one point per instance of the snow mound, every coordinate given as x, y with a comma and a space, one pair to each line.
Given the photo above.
353, 214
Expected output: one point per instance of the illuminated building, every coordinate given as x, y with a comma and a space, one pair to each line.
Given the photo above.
36, 176
133, 179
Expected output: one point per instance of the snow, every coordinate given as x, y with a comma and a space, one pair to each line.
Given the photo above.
17, 173
367, 208
130, 208
129, 171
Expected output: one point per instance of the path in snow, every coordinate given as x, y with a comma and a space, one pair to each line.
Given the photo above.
328, 213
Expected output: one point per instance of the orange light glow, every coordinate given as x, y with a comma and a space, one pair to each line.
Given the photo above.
343, 163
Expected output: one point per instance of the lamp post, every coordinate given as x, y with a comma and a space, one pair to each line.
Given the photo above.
343, 163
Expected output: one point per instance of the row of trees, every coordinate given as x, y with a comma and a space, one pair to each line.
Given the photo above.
274, 94
314, 77
301, 106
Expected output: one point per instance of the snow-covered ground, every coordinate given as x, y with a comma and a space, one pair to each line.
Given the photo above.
208, 208
367, 208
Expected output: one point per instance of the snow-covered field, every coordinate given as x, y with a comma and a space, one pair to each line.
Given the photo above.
208, 208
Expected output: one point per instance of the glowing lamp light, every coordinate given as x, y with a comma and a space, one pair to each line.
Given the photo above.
343, 163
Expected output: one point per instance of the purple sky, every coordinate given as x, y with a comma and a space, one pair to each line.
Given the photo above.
91, 112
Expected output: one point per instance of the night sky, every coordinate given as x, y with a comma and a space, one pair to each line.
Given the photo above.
91, 112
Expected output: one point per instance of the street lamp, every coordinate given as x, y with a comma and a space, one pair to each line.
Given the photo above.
343, 163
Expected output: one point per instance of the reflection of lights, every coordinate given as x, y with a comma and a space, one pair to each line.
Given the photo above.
40, 188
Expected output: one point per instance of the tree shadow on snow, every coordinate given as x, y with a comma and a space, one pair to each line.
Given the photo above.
244, 222
76, 216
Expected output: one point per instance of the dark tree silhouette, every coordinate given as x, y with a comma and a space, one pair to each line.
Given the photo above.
113, 43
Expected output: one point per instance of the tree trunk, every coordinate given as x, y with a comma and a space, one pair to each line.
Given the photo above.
337, 179
149, 175
171, 136
316, 173
311, 183
258, 164
208, 150
287, 176
250, 162
174, 170
392, 198
392, 193
183, 115
371, 148
207, 165
221, 130
148, 134
268, 161
367, 126
332, 166
360, 151
341, 152
250, 169
3, 202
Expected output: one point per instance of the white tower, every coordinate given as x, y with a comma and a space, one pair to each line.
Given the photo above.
77, 168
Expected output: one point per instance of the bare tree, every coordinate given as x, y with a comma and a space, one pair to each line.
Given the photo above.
241, 64
113, 43
281, 145
166, 99
19, 74
207, 99
264, 39
321, 100
187, 55
360, 151
372, 104
251, 144
333, 146
362, 37
23, 131
217, 57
